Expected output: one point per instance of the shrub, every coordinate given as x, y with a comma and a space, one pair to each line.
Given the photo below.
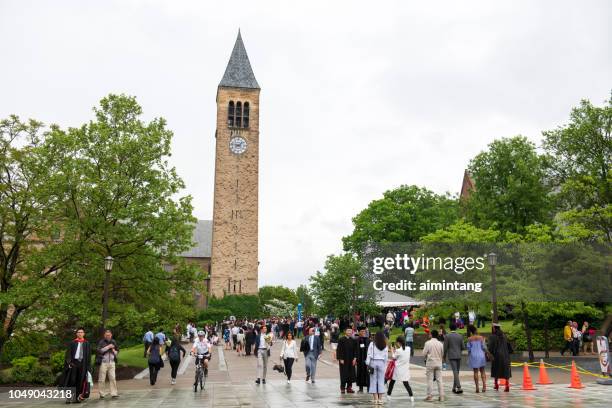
28, 369
24, 344
214, 314
517, 337
239, 305
57, 361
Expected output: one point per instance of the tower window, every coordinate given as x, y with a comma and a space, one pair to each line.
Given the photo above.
230, 114
238, 114
238, 120
245, 115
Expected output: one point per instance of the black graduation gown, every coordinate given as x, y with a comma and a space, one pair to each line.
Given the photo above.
363, 377
75, 372
500, 350
346, 351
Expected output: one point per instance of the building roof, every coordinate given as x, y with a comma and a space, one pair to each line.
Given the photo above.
239, 73
202, 239
467, 185
392, 299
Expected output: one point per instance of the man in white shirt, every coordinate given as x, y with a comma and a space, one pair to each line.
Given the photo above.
235, 330
263, 341
433, 351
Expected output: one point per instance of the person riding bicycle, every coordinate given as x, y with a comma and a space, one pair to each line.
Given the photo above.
201, 347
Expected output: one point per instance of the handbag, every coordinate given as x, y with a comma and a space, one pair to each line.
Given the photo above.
390, 370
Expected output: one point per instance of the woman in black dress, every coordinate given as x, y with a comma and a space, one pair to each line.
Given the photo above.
500, 349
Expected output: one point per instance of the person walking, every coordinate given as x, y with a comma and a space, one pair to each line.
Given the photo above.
433, 351
76, 367
346, 354
401, 355
240, 342
453, 346
334, 339
249, 339
106, 359
363, 343
409, 337
567, 336
263, 342
147, 340
378, 355
155, 360
311, 348
289, 354
587, 338
174, 357
235, 330
226, 338
500, 349
477, 359
300, 327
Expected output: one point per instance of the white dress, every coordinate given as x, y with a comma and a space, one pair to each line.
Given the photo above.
402, 364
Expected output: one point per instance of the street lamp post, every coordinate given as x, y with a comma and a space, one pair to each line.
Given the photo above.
353, 282
108, 266
492, 263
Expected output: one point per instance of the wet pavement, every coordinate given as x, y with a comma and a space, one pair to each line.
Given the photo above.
231, 384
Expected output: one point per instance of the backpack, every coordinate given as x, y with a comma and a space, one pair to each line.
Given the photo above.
174, 354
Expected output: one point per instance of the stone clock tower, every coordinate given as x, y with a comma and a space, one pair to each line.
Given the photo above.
234, 252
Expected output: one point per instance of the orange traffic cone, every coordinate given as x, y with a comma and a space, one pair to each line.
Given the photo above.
575, 378
543, 374
527, 384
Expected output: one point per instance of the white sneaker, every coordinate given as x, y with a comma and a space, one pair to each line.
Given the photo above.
173, 381
412, 400
288, 382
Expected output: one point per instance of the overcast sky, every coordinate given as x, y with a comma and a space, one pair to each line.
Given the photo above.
357, 97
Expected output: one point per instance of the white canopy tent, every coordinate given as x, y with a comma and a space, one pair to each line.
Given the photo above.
392, 299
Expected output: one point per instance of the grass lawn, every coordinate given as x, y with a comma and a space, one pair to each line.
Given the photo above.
132, 356
505, 324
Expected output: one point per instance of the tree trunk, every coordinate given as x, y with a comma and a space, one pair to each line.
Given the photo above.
8, 320
527, 331
546, 342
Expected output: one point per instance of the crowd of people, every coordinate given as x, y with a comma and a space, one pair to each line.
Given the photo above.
578, 339
367, 359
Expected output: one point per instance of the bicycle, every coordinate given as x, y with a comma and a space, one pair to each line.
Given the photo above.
200, 374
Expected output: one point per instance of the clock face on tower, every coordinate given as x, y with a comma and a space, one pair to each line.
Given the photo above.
238, 145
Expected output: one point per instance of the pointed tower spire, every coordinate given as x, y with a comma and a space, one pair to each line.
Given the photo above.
239, 73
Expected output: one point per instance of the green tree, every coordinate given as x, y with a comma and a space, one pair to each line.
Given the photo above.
402, 215
462, 232
105, 188
510, 189
333, 289
579, 170
305, 298
30, 221
268, 293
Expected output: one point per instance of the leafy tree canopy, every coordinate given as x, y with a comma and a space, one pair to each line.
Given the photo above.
510, 189
402, 215
580, 154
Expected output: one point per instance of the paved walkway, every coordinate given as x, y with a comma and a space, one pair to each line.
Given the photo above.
231, 384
